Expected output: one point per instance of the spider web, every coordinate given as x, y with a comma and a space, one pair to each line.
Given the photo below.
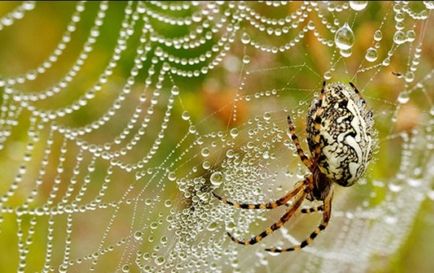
112, 143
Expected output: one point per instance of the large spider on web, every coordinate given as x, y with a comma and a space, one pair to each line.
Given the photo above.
341, 140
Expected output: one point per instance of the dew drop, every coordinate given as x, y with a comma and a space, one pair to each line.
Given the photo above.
429, 4
414, 183
404, 97
204, 152
246, 59
390, 220
245, 38
358, 5
266, 155
185, 115
163, 240
234, 132
344, 37
216, 179
212, 226
267, 116
168, 203
399, 37
206, 165
327, 75
371, 55
409, 77
175, 90
159, 260
378, 35
411, 35
138, 235
345, 52
171, 176
126, 268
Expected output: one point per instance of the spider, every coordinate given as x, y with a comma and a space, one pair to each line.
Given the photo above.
341, 140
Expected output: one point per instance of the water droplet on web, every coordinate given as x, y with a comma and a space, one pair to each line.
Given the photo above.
411, 35
204, 152
266, 155
429, 4
371, 55
168, 203
327, 75
138, 235
206, 165
394, 187
245, 38
399, 37
216, 179
246, 59
414, 182
345, 52
344, 37
125, 268
171, 176
234, 132
409, 77
390, 220
175, 90
159, 260
267, 116
378, 35
185, 115
212, 226
358, 5
404, 97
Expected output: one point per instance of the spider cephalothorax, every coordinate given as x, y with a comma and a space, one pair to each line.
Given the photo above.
341, 139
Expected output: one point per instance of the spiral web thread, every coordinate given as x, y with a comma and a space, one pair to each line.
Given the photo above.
115, 193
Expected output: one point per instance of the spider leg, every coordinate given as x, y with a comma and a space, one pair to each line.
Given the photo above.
357, 91
270, 205
314, 234
289, 213
306, 161
354, 87
313, 209
317, 122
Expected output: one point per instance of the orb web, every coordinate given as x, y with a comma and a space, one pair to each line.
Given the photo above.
113, 142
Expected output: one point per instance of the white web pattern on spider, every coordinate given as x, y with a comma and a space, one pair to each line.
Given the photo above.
90, 172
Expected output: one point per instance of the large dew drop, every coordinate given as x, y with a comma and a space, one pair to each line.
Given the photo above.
399, 37
358, 5
371, 55
344, 37
216, 179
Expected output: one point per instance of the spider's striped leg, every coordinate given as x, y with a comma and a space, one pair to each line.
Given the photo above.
317, 122
270, 205
357, 91
354, 87
306, 161
289, 213
313, 209
314, 234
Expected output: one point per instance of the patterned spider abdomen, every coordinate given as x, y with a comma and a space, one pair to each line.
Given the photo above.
346, 138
